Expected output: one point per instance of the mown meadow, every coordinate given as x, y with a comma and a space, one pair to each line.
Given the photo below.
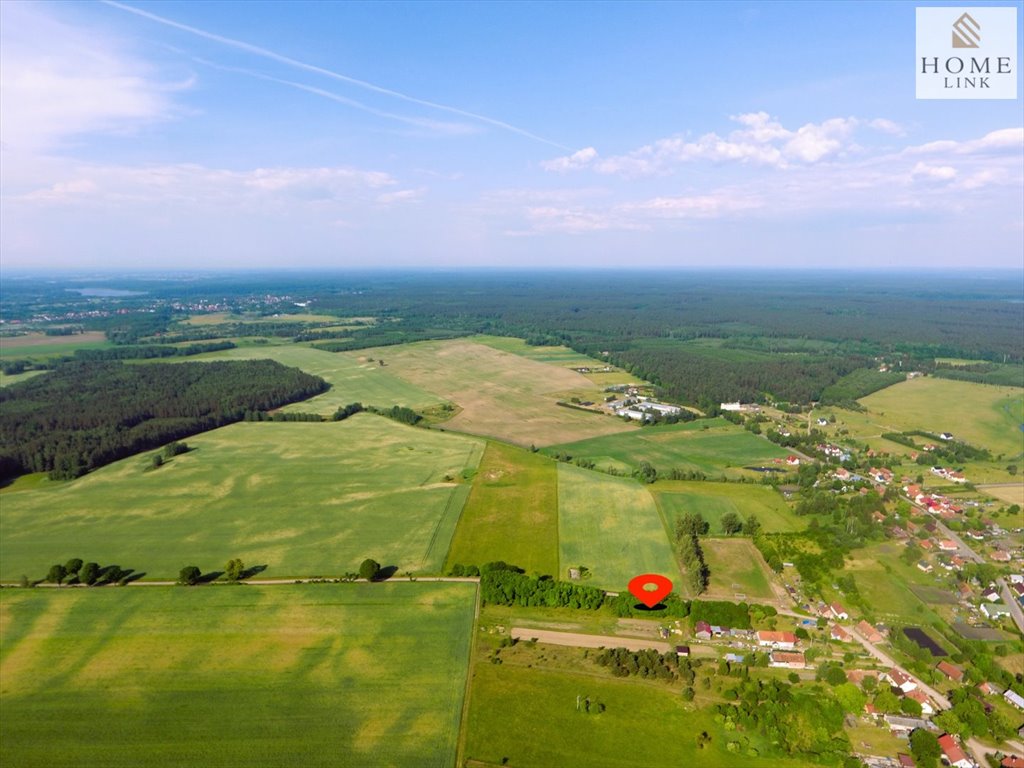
312, 675
304, 499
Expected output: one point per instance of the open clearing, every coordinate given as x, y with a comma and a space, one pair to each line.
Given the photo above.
563, 357
981, 414
352, 378
712, 500
355, 674
6, 379
219, 318
502, 395
714, 447
304, 499
612, 526
511, 513
737, 568
529, 716
1011, 494
884, 582
39, 345
45, 340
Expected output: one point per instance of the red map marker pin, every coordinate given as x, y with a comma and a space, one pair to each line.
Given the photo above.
650, 597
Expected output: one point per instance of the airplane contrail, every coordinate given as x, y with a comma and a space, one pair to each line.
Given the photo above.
419, 122
280, 58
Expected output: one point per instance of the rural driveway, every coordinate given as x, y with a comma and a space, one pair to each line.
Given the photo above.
578, 640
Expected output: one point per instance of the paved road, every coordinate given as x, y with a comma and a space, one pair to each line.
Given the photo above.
1015, 610
965, 551
579, 640
883, 657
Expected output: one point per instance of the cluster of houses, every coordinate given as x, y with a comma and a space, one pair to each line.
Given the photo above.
834, 451
933, 503
949, 474
642, 408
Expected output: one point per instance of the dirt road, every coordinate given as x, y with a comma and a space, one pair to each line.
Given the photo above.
578, 640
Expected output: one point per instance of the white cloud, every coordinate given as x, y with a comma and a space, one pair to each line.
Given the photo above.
711, 206
401, 196
1005, 139
938, 172
59, 82
814, 142
762, 140
196, 184
886, 126
572, 162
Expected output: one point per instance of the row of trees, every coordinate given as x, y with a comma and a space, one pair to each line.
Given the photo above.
233, 572
91, 574
688, 529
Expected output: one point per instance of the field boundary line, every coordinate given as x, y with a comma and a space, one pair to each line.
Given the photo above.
460, 742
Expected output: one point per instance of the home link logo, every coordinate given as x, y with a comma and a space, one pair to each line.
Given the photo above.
966, 32
966, 53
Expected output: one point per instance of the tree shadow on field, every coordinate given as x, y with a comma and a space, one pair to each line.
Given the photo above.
134, 576
212, 576
254, 570
386, 573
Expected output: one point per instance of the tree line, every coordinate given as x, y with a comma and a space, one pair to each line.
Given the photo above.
87, 414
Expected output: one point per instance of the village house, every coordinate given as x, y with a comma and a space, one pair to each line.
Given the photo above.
989, 689
787, 660
927, 708
924, 566
869, 633
1014, 698
1000, 556
905, 761
786, 641
991, 594
901, 680
838, 611
1012, 761
901, 725
702, 630
840, 634
856, 676
952, 753
683, 651
993, 611
951, 671
793, 461
948, 545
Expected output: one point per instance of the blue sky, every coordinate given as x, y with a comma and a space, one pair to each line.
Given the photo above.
354, 135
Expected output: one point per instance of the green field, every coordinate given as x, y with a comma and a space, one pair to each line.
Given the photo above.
983, 415
528, 716
712, 500
612, 526
884, 582
351, 377
6, 379
737, 570
44, 351
560, 356
311, 675
501, 395
304, 499
714, 447
511, 513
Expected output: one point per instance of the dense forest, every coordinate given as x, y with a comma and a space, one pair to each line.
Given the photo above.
702, 337
86, 414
